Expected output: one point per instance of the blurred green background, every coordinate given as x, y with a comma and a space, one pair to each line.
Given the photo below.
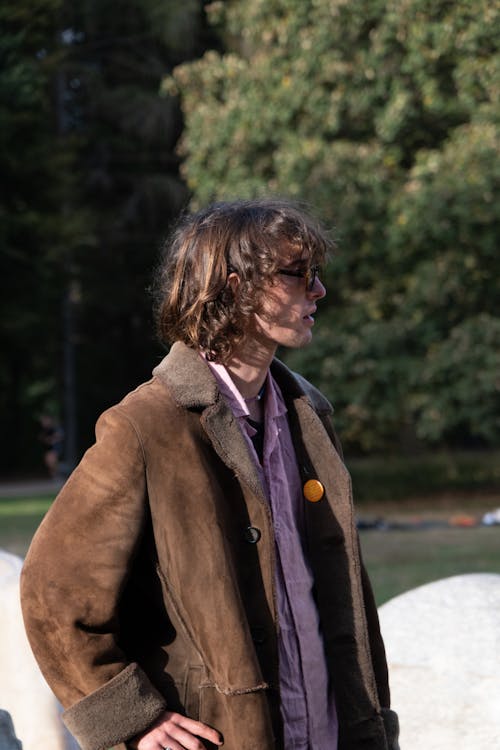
382, 116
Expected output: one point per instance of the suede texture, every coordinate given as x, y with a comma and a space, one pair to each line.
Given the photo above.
141, 591
130, 685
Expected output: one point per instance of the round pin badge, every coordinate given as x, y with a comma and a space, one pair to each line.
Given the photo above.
313, 490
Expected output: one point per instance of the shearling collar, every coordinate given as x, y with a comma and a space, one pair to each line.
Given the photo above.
192, 385
188, 377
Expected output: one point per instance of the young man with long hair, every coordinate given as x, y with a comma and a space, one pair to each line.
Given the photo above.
198, 581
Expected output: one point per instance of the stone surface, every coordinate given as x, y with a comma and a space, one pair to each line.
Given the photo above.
443, 649
24, 694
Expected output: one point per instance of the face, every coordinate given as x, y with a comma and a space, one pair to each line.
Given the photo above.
287, 314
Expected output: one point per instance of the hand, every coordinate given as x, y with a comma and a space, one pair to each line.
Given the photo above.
176, 732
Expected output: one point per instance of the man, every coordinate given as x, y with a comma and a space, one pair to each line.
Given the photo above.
198, 580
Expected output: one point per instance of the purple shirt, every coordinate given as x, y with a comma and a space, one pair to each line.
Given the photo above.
308, 711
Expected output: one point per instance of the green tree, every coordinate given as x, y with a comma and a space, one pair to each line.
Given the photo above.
91, 185
36, 165
129, 178
384, 117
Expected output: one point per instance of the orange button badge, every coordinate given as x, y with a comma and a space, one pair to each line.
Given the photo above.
313, 490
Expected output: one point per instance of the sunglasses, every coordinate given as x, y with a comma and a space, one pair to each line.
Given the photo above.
310, 275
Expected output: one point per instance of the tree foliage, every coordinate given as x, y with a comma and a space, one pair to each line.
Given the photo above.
130, 183
35, 235
92, 184
384, 116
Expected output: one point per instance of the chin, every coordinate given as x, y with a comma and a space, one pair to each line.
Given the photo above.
298, 343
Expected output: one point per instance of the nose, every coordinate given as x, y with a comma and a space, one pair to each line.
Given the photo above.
318, 291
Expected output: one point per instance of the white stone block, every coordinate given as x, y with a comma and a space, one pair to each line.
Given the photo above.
443, 650
24, 694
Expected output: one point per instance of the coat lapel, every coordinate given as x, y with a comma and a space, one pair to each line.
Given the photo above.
333, 542
193, 387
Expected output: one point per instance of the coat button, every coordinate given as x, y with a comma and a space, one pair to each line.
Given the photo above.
252, 534
313, 490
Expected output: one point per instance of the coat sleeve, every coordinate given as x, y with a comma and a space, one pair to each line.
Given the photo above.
73, 576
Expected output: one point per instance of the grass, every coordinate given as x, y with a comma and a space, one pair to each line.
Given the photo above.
401, 560
19, 519
397, 560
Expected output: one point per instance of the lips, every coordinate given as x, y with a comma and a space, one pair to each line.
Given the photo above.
309, 315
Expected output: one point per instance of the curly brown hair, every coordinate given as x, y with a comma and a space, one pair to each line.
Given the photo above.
193, 301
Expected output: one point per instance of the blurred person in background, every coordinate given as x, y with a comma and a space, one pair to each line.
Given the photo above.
51, 436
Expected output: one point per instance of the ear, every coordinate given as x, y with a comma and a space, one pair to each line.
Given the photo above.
233, 281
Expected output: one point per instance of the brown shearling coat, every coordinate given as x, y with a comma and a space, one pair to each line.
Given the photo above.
143, 589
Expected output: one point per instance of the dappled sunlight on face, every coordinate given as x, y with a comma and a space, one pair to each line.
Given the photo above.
286, 316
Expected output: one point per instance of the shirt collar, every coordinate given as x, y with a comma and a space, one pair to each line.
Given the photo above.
275, 405
228, 389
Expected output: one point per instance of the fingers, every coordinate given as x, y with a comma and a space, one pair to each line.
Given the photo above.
176, 732
198, 728
182, 733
